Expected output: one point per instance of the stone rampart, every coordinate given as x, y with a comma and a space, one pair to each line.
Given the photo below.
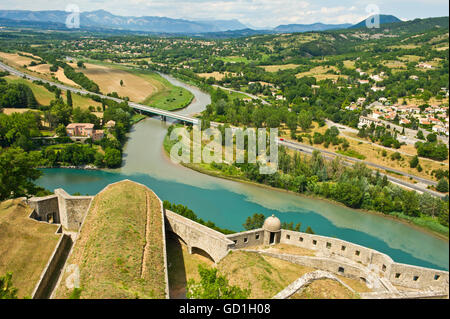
72, 209
50, 274
247, 239
195, 235
378, 263
45, 208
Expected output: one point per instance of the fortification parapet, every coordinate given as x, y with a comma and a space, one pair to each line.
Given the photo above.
72, 209
45, 208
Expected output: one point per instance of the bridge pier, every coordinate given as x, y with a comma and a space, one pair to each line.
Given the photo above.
163, 118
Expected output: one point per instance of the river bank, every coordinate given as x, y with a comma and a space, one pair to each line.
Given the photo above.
420, 223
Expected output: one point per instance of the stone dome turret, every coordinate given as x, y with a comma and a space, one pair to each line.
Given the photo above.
272, 224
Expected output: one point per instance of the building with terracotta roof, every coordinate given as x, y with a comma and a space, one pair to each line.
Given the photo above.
84, 130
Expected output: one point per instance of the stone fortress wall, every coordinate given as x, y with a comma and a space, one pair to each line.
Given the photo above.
61, 208
350, 260
72, 209
67, 211
336, 256
195, 235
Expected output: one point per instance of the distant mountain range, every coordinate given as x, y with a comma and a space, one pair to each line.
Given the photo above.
310, 27
384, 19
102, 20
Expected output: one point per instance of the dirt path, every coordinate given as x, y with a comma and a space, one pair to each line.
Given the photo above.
147, 237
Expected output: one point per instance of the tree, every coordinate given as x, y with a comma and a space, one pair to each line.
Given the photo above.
213, 286
442, 186
59, 113
420, 135
291, 122
69, 98
61, 130
309, 230
7, 291
121, 82
305, 120
414, 162
432, 138
113, 157
17, 173
254, 222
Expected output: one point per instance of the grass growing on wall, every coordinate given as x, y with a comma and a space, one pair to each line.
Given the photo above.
110, 249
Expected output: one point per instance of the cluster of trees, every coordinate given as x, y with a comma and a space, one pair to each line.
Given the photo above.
355, 187
19, 129
329, 137
188, 213
69, 154
80, 79
436, 151
58, 113
16, 95
18, 172
256, 114
380, 134
432, 148
212, 285
85, 116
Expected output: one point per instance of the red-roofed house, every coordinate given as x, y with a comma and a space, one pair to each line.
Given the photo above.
84, 130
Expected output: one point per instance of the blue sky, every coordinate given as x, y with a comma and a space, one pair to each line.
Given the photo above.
259, 13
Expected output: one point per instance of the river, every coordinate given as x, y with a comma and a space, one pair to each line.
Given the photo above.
229, 203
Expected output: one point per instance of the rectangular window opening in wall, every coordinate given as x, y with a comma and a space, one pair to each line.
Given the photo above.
341, 270
328, 245
288, 236
301, 239
397, 275
383, 268
415, 278
314, 242
257, 236
343, 248
357, 253
235, 242
436, 277
245, 240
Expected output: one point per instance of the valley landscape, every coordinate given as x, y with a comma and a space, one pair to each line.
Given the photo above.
93, 205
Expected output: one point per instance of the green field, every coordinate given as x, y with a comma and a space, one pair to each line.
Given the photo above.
169, 97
